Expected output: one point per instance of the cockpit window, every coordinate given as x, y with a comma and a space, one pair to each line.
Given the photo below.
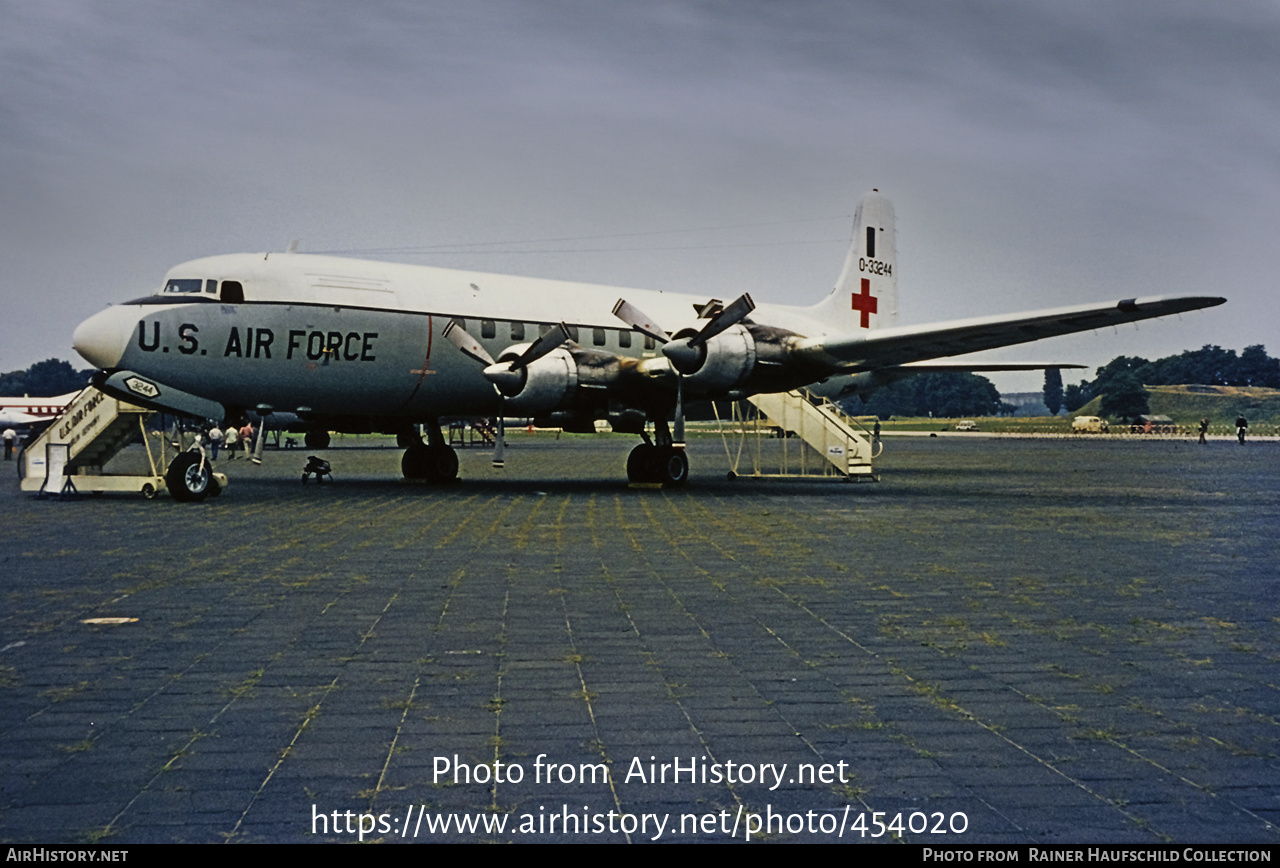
211, 286
184, 285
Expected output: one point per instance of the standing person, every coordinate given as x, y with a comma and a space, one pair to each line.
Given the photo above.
1204, 427
10, 437
246, 438
215, 440
1242, 425
232, 437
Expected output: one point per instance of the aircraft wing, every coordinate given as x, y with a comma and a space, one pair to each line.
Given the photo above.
938, 367
903, 345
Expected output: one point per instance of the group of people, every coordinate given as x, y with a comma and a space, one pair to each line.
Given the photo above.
231, 438
1242, 428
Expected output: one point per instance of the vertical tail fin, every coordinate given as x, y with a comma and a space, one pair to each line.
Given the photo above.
866, 294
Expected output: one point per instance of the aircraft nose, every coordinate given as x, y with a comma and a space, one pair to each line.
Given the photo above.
102, 338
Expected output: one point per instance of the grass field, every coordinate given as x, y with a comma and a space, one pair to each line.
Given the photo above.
1186, 405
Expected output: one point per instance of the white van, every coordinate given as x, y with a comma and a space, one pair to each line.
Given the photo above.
1089, 425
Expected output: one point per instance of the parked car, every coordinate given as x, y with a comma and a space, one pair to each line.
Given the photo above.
966, 425
1089, 425
1154, 425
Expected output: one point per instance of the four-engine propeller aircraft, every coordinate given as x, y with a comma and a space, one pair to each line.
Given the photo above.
357, 346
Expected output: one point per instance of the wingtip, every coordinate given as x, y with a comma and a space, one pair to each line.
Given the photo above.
1184, 302
1203, 301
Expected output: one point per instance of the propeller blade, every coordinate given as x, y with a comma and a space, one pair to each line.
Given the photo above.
634, 317
730, 316
543, 345
468, 345
500, 444
678, 434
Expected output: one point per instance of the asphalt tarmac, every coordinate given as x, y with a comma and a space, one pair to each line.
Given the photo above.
1002, 642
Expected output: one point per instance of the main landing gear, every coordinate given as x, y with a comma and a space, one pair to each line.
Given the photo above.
433, 461
662, 463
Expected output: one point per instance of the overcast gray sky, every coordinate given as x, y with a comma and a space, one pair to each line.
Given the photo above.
1038, 153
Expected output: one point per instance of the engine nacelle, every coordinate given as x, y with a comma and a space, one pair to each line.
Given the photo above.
742, 356
563, 378
542, 386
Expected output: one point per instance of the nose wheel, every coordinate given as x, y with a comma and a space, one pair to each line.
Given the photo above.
190, 478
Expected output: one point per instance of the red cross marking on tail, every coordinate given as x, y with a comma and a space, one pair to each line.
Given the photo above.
866, 302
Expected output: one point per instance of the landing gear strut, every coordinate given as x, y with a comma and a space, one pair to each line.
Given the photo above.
433, 461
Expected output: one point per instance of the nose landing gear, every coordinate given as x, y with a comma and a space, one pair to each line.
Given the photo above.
190, 478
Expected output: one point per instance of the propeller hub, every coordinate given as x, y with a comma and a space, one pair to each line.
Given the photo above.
508, 381
684, 355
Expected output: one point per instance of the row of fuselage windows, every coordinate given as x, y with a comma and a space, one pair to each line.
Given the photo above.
232, 290
519, 332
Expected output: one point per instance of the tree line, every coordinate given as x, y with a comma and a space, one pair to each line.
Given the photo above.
44, 380
940, 395
1120, 381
